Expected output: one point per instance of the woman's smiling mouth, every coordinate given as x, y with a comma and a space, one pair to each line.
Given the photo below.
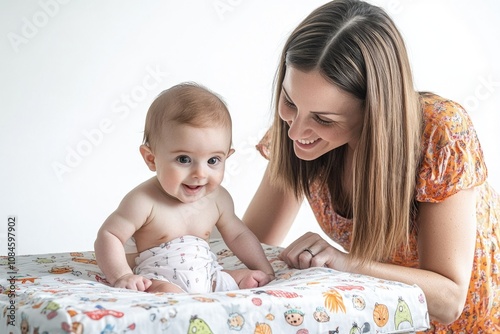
306, 141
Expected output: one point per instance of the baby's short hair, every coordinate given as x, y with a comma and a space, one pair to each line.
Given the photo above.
186, 103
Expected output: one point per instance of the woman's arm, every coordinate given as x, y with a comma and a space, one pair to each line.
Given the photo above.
271, 212
446, 243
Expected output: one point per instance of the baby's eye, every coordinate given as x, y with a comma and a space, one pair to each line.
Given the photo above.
213, 161
183, 159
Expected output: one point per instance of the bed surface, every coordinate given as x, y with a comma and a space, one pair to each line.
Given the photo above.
67, 293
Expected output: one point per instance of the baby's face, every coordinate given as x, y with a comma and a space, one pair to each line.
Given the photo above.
190, 161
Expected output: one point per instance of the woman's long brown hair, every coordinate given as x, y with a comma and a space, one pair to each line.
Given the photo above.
357, 47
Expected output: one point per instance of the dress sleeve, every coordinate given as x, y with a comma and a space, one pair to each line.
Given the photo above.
452, 157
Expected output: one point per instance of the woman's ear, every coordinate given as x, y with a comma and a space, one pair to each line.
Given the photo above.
148, 156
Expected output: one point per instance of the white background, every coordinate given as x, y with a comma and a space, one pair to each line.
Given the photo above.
79, 76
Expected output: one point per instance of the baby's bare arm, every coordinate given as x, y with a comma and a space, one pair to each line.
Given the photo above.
109, 250
239, 238
131, 214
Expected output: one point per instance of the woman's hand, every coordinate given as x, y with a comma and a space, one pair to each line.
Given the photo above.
311, 250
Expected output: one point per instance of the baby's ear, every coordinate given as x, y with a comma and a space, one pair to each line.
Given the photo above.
231, 151
148, 156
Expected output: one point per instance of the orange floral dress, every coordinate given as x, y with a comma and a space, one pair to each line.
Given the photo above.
452, 161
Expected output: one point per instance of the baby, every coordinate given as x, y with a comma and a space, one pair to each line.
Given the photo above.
187, 140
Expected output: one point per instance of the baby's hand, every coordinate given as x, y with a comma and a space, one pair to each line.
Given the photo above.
133, 282
249, 279
261, 277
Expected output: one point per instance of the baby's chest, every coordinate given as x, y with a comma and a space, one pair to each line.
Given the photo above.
187, 219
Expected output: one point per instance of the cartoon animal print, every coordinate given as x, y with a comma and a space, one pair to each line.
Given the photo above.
61, 269
358, 302
320, 314
198, 326
74, 328
108, 329
262, 328
205, 299
223, 253
359, 330
101, 313
42, 260
403, 315
51, 309
294, 317
380, 314
235, 321
165, 322
334, 301
84, 260
23, 280
279, 293
25, 326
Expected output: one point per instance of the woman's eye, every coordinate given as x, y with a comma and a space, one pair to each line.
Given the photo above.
213, 161
323, 121
184, 159
288, 103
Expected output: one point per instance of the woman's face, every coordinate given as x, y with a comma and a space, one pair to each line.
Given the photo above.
320, 115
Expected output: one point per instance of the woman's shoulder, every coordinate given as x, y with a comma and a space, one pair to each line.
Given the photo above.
445, 120
452, 157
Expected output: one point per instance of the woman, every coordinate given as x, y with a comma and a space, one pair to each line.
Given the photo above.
395, 176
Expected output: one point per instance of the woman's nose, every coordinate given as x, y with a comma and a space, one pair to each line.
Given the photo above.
297, 127
294, 121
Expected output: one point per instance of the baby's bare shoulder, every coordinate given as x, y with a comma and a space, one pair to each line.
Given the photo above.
144, 195
223, 199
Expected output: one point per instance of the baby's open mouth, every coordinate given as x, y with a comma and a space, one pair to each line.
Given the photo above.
192, 187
